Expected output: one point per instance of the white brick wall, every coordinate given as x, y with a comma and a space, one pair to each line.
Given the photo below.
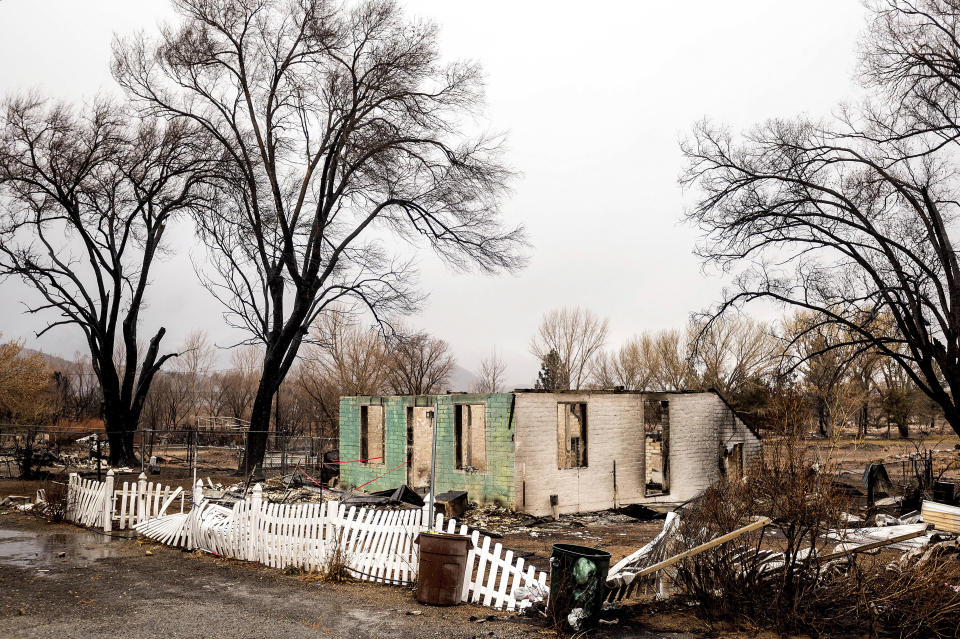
700, 426
614, 432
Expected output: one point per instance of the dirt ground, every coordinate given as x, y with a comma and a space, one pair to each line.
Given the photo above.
108, 587
852, 454
59, 580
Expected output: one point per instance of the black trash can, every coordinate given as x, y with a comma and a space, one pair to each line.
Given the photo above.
578, 584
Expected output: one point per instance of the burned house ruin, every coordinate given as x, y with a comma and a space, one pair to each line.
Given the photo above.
592, 450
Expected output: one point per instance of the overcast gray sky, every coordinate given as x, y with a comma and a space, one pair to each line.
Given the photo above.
594, 98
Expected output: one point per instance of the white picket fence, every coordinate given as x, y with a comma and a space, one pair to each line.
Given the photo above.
86, 502
377, 545
138, 502
98, 504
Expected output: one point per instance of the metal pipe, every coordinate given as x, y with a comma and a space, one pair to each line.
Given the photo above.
433, 471
193, 458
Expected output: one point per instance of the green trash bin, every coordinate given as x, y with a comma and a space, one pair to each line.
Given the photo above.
578, 584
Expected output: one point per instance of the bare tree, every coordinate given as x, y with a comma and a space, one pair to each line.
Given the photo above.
732, 353
853, 218
239, 383
86, 389
633, 366
419, 364
78, 389
576, 335
491, 376
820, 352
354, 358
341, 125
89, 197
673, 362
180, 391
897, 396
190, 375
345, 359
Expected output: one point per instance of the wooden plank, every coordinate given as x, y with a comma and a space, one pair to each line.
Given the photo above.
386, 551
392, 546
164, 502
324, 523
481, 568
410, 525
501, 597
942, 516
514, 584
370, 534
157, 494
381, 555
84, 500
373, 538
306, 520
760, 523
132, 505
495, 565
303, 535
364, 525
871, 546
169, 500
123, 507
471, 559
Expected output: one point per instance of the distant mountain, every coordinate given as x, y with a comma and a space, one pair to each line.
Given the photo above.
56, 363
461, 380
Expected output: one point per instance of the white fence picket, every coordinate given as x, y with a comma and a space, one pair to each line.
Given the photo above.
378, 545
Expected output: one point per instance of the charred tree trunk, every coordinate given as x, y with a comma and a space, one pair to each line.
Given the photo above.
120, 426
904, 429
259, 425
823, 418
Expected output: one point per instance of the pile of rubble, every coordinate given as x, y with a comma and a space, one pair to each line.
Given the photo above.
496, 519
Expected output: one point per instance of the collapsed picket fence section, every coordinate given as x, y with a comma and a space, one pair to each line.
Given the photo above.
86, 501
374, 545
99, 505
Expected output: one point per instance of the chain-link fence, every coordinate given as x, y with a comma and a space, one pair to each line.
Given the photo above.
215, 452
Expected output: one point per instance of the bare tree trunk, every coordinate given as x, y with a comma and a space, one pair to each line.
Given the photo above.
260, 422
823, 418
120, 426
904, 428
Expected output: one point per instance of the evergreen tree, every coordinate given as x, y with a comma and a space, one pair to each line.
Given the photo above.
553, 375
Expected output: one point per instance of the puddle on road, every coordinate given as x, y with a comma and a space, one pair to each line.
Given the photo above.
35, 549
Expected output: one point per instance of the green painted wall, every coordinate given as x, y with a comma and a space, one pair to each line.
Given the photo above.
493, 485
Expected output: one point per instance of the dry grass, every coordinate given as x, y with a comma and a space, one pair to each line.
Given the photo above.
853, 595
336, 563
55, 507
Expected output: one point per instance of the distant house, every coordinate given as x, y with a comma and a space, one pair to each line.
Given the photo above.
592, 449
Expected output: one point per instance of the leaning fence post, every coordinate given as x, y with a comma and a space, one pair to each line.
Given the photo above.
197, 492
256, 499
108, 502
71, 495
141, 497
